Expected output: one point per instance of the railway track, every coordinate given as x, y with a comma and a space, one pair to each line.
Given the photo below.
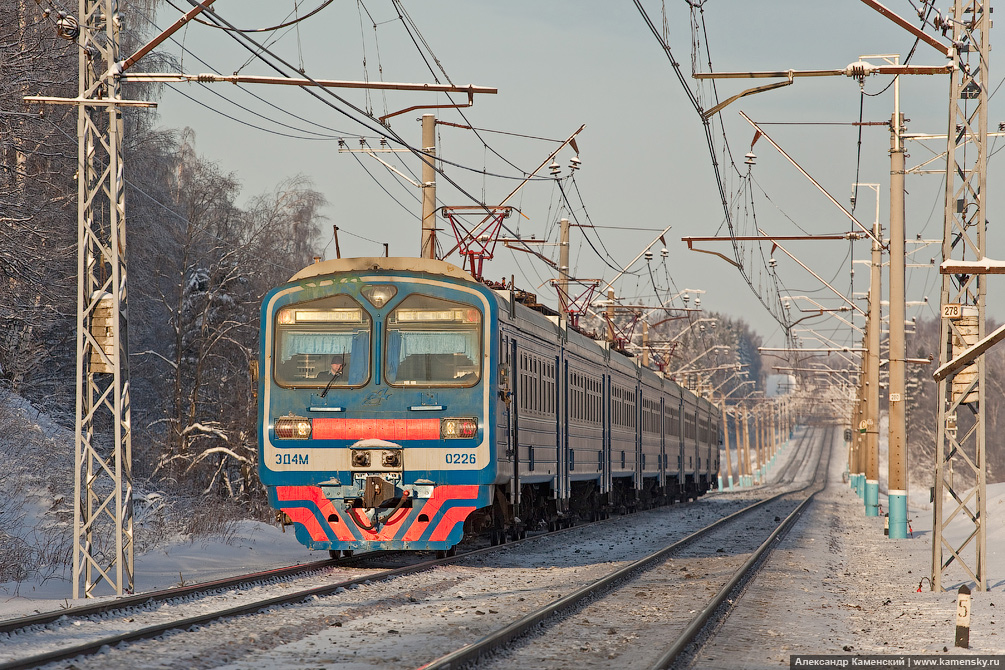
130, 605
132, 609
580, 623
455, 580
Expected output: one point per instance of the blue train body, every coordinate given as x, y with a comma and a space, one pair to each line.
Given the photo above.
400, 400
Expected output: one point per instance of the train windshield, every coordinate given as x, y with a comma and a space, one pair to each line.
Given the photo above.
321, 343
433, 342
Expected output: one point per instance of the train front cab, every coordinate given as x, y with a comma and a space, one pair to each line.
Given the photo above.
377, 403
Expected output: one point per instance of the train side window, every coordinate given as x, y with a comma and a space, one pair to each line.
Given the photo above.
523, 387
535, 381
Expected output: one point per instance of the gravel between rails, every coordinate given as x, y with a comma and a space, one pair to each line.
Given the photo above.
408, 620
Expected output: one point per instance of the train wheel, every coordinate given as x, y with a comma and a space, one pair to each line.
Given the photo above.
334, 553
347, 553
452, 552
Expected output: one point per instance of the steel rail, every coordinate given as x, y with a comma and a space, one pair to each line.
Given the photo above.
90, 648
140, 599
93, 647
472, 652
699, 622
789, 464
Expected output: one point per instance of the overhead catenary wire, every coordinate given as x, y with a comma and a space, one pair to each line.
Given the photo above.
706, 125
262, 52
348, 110
280, 26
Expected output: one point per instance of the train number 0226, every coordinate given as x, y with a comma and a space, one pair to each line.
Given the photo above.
460, 459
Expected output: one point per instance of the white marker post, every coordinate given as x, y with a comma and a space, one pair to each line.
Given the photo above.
963, 617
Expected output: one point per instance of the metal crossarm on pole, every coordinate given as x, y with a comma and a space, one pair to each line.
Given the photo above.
476, 242
960, 467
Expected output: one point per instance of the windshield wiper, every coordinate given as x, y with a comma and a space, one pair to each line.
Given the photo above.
335, 375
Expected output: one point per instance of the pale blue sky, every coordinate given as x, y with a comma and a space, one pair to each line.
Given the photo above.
645, 163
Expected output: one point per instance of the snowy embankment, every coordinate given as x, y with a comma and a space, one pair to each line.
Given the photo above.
36, 524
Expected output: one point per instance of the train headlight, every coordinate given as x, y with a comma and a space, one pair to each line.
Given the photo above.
451, 429
293, 428
378, 294
360, 459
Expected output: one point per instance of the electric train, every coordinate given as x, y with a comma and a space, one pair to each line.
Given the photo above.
403, 403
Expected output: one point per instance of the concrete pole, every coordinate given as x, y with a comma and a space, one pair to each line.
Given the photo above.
747, 470
610, 315
897, 502
725, 444
774, 431
645, 344
563, 270
858, 431
769, 439
766, 430
428, 248
871, 462
766, 421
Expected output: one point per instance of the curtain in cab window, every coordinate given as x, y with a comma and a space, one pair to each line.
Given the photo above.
433, 342
323, 341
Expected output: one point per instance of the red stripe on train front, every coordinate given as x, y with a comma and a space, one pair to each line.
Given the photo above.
451, 518
305, 516
379, 429
442, 494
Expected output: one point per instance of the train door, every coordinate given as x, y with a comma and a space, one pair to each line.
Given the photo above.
606, 448
514, 412
639, 428
681, 441
663, 445
561, 379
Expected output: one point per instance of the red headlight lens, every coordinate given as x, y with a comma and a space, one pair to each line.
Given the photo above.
451, 429
293, 428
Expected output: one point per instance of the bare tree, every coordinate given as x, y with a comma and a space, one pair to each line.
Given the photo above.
214, 264
37, 203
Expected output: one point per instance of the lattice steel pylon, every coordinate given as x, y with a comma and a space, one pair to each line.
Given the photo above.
103, 521
961, 439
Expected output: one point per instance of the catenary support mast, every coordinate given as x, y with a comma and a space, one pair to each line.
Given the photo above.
103, 522
960, 464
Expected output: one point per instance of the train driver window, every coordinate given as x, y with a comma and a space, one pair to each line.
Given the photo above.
433, 342
322, 343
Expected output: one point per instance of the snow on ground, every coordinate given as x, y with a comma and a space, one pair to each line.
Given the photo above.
835, 584
36, 490
250, 546
852, 591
